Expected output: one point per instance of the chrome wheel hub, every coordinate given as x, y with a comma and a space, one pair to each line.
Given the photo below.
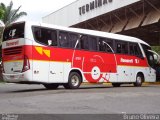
139, 79
75, 80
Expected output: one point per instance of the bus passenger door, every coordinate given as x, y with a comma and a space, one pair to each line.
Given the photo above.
151, 70
151, 75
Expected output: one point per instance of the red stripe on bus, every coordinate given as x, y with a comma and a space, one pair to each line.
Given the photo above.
105, 60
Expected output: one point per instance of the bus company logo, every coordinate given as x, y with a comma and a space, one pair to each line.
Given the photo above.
126, 60
12, 43
136, 61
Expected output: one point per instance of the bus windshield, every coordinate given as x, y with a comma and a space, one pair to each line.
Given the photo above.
14, 31
152, 57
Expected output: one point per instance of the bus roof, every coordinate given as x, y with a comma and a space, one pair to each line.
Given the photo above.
90, 32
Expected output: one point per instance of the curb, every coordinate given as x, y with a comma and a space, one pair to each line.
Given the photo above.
151, 83
145, 83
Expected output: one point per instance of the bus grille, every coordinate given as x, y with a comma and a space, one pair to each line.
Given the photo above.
13, 51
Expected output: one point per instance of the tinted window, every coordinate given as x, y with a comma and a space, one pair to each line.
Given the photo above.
88, 43
134, 49
149, 55
67, 39
63, 39
105, 45
14, 31
84, 42
146, 48
122, 47
92, 43
45, 36
73, 40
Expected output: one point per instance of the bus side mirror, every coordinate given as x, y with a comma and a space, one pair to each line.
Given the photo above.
156, 59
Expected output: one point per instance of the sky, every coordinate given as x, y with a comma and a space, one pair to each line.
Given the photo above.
36, 9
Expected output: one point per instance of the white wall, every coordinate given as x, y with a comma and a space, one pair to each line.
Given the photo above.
69, 15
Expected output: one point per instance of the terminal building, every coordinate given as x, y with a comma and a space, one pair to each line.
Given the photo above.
138, 18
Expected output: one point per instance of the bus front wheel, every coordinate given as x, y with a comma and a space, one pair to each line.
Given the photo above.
51, 86
74, 81
139, 80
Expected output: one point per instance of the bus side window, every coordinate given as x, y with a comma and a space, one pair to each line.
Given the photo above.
118, 48
40, 35
125, 48
105, 45
131, 48
37, 33
45, 36
135, 50
63, 39
101, 46
92, 43
122, 47
54, 38
84, 42
73, 40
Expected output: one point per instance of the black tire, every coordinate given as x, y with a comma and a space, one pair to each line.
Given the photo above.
116, 84
74, 81
51, 86
139, 80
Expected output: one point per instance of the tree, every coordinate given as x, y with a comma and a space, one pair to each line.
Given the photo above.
9, 14
1, 13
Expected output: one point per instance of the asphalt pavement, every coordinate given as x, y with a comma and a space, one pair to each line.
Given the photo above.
89, 99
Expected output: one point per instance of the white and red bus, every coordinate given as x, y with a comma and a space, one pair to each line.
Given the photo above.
53, 55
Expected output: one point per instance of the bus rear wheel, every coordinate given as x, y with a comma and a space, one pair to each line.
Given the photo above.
139, 80
51, 86
74, 81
